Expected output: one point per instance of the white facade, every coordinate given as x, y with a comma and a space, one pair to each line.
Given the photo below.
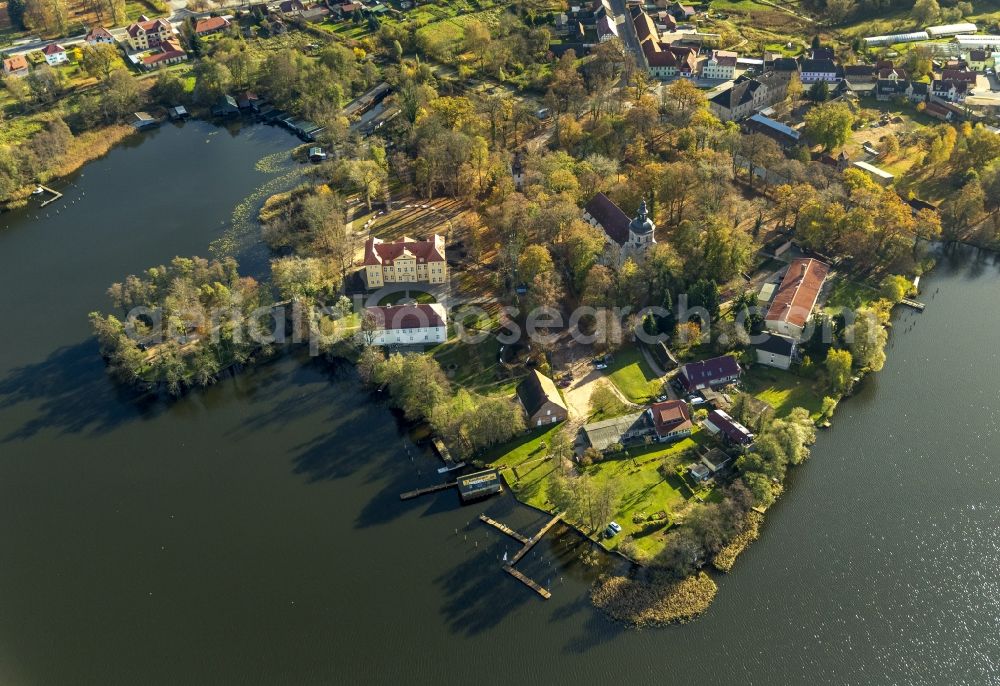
775, 360
55, 58
418, 336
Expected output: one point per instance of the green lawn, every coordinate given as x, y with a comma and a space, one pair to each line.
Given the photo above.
409, 294
845, 292
783, 390
644, 489
631, 374
474, 365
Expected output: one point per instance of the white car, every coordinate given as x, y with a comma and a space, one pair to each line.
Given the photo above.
600, 365
614, 528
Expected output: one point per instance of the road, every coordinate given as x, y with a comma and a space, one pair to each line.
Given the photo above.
626, 31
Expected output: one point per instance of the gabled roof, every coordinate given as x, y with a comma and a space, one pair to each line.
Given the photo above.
149, 26
537, 389
670, 416
604, 434
960, 87
210, 24
725, 58
761, 122
708, 371
611, 218
419, 316
98, 32
740, 94
798, 292
819, 66
53, 49
379, 252
978, 56
785, 64
15, 63
778, 345
959, 75
729, 427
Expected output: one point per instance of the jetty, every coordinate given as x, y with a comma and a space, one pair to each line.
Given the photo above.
55, 195
504, 528
442, 451
528, 544
919, 306
427, 489
530, 583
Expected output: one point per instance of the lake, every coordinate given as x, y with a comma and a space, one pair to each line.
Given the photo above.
252, 533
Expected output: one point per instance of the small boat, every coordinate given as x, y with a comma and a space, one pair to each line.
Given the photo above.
38, 190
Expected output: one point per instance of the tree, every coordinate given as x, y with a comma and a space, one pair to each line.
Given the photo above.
100, 60
829, 124
926, 11
169, 89
534, 260
48, 16
889, 146
838, 370
15, 10
819, 91
369, 177
305, 278
867, 339
895, 288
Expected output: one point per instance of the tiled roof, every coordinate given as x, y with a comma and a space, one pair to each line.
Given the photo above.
798, 291
670, 416
535, 390
211, 24
393, 317
53, 49
379, 252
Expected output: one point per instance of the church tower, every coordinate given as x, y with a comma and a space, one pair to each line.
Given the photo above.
642, 229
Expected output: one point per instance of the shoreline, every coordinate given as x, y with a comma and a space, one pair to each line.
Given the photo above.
87, 147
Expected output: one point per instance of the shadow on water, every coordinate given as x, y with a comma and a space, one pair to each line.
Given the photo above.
73, 394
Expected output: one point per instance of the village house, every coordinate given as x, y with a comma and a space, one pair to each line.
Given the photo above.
98, 35
55, 54
16, 66
671, 420
748, 95
785, 66
952, 91
860, 78
939, 111
712, 373
969, 77
680, 12
540, 399
721, 65
290, 7
776, 351
148, 33
632, 237
167, 52
405, 261
730, 431
607, 28
980, 60
609, 433
669, 61
407, 324
796, 296
813, 70
206, 26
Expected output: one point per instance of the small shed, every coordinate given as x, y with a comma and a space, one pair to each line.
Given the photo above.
225, 107
479, 485
178, 113
143, 120
316, 154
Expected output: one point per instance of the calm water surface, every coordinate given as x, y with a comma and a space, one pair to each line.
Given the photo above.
251, 533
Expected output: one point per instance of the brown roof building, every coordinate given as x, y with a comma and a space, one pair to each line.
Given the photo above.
540, 399
405, 261
603, 213
796, 296
210, 25
15, 66
671, 419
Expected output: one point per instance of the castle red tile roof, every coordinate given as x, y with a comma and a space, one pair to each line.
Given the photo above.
798, 291
419, 316
379, 252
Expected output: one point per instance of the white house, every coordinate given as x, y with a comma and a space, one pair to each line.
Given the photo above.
721, 65
407, 324
99, 34
818, 70
776, 351
54, 54
796, 296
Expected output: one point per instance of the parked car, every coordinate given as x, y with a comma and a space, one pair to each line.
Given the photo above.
613, 530
600, 365
696, 400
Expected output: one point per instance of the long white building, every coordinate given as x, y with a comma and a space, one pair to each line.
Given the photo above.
951, 30
896, 38
408, 324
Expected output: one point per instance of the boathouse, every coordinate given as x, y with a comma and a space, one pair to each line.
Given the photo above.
479, 485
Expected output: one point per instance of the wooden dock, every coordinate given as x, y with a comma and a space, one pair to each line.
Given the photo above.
530, 543
504, 528
442, 451
428, 489
530, 583
55, 195
919, 306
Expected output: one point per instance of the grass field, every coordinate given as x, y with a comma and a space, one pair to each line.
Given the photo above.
851, 294
632, 375
783, 390
644, 490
